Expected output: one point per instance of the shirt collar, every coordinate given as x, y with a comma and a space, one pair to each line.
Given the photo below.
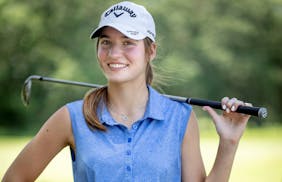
155, 109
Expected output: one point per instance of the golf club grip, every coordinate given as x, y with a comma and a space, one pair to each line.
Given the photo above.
254, 111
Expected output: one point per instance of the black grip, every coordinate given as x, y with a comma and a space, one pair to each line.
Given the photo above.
254, 111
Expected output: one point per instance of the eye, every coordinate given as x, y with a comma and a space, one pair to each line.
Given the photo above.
105, 42
128, 42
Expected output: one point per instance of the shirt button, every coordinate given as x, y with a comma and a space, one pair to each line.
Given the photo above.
128, 152
128, 168
134, 126
129, 140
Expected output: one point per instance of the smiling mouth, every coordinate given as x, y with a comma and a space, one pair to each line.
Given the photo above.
117, 66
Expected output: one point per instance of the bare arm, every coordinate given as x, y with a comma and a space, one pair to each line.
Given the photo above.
230, 127
192, 162
54, 135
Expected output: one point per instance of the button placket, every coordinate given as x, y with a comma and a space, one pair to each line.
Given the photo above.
128, 156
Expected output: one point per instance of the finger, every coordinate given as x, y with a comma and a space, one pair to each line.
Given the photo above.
211, 112
231, 102
248, 104
236, 104
229, 105
224, 101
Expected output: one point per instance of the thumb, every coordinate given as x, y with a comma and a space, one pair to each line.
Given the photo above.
212, 113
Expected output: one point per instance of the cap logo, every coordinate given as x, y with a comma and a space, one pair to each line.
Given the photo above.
120, 8
117, 15
133, 32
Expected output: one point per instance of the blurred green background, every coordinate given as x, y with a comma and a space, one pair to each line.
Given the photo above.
206, 49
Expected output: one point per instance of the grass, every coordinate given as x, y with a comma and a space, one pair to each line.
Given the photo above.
259, 156
59, 170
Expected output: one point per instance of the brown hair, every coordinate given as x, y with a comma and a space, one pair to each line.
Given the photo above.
94, 97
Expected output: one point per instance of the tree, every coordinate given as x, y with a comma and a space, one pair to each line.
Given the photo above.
211, 49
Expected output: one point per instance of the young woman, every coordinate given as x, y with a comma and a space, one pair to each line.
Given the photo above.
127, 131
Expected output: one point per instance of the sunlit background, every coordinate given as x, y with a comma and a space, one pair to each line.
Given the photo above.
206, 49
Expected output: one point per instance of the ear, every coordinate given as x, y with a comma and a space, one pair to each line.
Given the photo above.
153, 51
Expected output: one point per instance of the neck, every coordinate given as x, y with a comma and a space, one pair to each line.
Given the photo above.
127, 100
127, 96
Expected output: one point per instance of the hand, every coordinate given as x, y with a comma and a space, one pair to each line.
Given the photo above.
229, 125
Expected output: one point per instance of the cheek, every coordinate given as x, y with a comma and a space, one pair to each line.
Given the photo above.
100, 54
138, 54
101, 57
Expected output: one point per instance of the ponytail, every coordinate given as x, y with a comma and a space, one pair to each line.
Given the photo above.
91, 101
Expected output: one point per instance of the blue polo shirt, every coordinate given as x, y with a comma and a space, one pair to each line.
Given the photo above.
149, 151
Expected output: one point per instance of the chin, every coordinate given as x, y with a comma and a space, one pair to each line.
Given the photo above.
117, 80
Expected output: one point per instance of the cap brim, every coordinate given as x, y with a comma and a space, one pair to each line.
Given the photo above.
124, 29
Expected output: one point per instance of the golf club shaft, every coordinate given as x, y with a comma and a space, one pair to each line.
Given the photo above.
67, 82
254, 111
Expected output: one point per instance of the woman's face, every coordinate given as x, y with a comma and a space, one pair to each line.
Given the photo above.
121, 59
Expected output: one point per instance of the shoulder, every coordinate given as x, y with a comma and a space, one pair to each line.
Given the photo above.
75, 107
60, 118
76, 115
177, 106
168, 105
57, 129
179, 113
162, 99
75, 104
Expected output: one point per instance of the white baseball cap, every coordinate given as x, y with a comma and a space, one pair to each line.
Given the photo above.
131, 19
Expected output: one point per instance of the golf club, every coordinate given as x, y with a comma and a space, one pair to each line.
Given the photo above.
260, 112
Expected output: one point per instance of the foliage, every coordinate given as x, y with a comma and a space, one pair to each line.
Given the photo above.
210, 48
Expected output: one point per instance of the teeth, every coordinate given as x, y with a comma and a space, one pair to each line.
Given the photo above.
117, 65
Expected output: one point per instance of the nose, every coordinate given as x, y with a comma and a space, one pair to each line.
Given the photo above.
115, 51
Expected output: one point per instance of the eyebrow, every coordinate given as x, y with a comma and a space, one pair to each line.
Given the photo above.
103, 36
